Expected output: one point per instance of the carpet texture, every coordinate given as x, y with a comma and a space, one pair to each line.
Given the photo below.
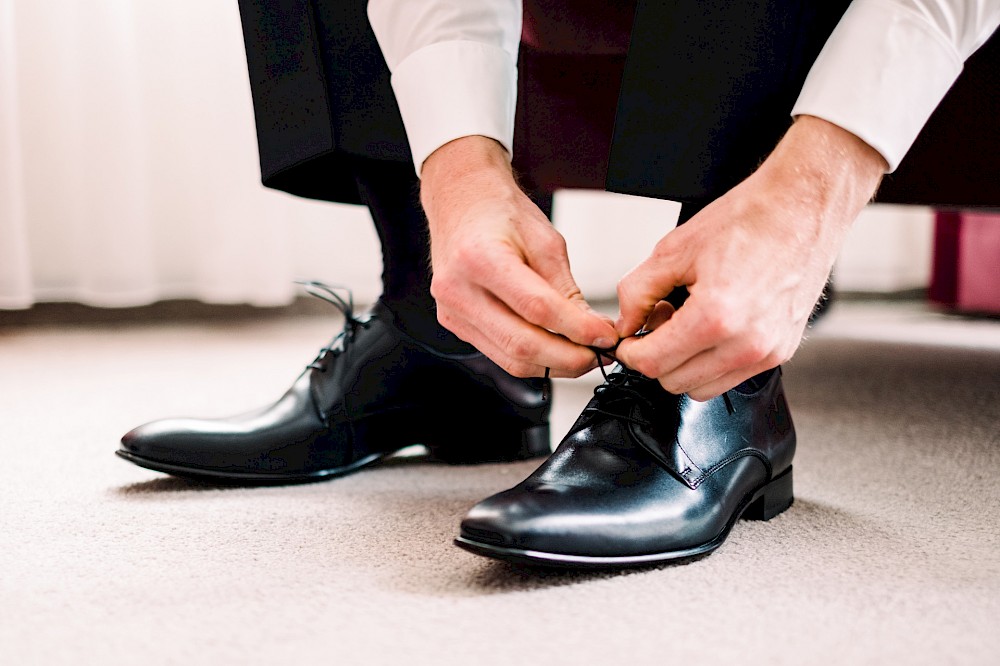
889, 555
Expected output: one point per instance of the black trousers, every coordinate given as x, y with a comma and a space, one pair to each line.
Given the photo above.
706, 94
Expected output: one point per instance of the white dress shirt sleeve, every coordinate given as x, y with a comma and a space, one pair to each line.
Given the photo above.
880, 75
454, 68
889, 63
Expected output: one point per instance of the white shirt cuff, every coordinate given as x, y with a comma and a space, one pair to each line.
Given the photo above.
452, 89
881, 74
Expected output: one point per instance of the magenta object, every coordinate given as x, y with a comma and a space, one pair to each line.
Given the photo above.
966, 273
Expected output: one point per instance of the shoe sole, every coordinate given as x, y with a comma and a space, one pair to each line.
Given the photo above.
533, 443
249, 478
765, 503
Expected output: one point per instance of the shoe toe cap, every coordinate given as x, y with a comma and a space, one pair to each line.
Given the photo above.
171, 440
580, 521
536, 518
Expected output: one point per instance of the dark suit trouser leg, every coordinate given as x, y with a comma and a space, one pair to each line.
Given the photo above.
708, 89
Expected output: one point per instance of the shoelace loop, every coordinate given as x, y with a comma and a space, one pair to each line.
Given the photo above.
622, 383
334, 295
628, 383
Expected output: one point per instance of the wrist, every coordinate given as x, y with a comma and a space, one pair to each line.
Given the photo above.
455, 176
464, 157
826, 168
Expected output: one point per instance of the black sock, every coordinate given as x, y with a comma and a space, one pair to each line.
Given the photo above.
391, 192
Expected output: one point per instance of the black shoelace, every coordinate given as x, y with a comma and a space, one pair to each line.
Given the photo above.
332, 294
627, 383
621, 383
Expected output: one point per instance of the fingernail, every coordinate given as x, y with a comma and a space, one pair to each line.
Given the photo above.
604, 343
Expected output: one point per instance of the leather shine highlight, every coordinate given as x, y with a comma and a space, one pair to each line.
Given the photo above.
644, 475
369, 394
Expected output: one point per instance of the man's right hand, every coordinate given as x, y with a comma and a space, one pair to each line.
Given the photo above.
501, 273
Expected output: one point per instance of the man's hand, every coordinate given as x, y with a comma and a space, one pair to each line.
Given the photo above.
501, 274
755, 262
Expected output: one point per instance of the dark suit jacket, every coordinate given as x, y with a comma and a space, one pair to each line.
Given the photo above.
703, 95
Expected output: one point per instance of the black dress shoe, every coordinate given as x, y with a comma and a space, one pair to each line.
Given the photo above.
644, 476
373, 391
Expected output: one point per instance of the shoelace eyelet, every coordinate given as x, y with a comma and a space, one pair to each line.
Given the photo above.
329, 294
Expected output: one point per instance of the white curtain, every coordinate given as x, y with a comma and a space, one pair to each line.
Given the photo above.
128, 164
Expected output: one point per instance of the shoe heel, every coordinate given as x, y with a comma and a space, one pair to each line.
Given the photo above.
464, 446
772, 499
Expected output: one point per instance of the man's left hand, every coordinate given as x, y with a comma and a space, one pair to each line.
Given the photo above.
754, 261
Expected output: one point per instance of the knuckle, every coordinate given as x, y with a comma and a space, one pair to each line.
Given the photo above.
446, 319
756, 349
468, 255
759, 345
536, 309
720, 326
671, 385
520, 346
442, 289
556, 244
699, 395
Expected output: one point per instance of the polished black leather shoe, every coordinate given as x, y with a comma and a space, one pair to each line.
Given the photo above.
644, 476
373, 391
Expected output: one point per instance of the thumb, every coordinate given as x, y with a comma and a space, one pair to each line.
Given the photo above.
554, 269
642, 288
661, 314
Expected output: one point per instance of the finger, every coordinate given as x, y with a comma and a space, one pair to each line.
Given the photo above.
728, 381
709, 368
554, 268
526, 293
671, 344
645, 286
662, 312
705, 375
536, 367
495, 327
473, 336
738, 375
519, 368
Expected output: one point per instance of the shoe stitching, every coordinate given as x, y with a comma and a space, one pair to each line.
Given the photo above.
733, 457
626, 384
690, 460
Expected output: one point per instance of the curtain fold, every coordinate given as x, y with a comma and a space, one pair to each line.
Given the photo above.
15, 270
128, 164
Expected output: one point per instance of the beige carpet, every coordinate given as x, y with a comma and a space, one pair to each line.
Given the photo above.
889, 555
